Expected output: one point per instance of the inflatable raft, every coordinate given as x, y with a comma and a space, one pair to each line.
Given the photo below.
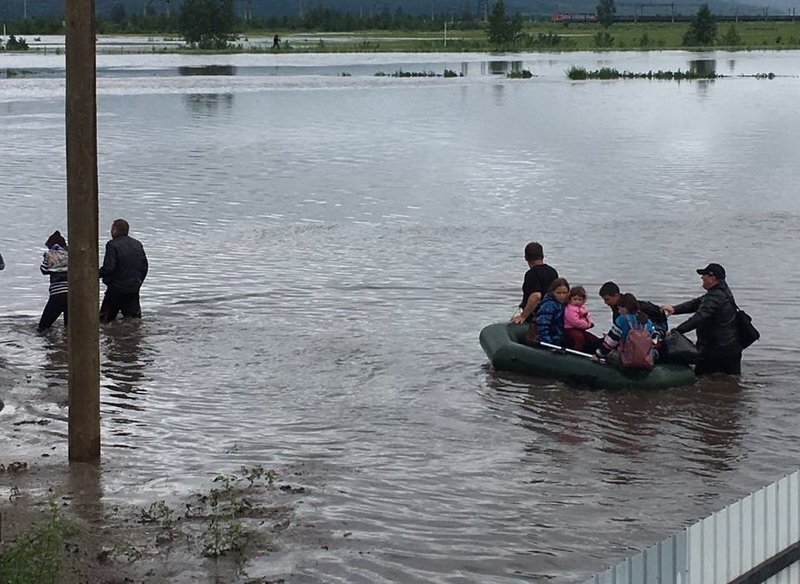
504, 343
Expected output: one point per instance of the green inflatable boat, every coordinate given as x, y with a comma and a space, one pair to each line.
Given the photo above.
504, 343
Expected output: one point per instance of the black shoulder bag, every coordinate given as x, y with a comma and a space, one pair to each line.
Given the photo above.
745, 331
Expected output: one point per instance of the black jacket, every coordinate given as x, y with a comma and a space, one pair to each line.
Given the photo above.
714, 318
124, 265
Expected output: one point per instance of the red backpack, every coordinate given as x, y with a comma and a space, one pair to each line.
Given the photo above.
637, 350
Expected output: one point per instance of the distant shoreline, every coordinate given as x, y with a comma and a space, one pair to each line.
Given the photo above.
538, 37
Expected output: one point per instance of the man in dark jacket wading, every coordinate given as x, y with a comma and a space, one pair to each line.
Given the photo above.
123, 271
715, 320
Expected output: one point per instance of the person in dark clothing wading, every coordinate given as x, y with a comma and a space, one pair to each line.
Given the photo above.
715, 320
55, 263
123, 271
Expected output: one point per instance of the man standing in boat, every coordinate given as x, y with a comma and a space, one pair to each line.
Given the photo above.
537, 282
715, 320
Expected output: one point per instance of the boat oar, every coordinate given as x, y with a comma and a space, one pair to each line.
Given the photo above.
570, 351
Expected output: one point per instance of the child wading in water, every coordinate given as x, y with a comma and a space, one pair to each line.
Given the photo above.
578, 321
55, 264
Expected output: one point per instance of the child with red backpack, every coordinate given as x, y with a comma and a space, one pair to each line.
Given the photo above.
631, 342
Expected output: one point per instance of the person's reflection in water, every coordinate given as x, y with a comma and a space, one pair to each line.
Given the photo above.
124, 365
208, 105
698, 429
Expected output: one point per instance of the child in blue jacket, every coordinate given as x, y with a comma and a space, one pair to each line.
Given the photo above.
549, 317
630, 317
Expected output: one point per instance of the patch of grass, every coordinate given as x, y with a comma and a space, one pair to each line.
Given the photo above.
580, 73
449, 73
224, 532
38, 555
524, 74
159, 512
577, 73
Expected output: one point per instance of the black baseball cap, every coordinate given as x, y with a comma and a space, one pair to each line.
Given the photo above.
713, 270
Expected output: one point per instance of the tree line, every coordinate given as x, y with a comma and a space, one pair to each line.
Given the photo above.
213, 24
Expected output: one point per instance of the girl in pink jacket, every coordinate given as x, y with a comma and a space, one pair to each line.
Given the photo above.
578, 321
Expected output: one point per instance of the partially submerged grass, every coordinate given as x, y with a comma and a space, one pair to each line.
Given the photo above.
449, 73
237, 518
523, 74
581, 73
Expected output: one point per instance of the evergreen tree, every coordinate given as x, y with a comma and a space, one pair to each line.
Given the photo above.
502, 30
207, 24
606, 9
702, 30
118, 14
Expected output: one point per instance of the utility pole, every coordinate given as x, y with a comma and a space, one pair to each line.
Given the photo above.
82, 217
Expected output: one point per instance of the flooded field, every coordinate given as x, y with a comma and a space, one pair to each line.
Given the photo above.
325, 246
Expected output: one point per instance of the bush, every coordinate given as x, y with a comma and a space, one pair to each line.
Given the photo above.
16, 44
524, 74
577, 73
703, 29
37, 556
645, 41
603, 40
731, 37
207, 24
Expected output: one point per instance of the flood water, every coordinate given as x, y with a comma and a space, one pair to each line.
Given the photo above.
324, 250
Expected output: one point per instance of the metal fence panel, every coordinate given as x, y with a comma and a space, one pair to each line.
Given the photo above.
748, 543
735, 540
638, 572
723, 546
771, 526
759, 527
652, 561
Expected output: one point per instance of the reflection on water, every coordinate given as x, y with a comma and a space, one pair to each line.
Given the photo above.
56, 365
500, 67
123, 364
225, 70
703, 66
205, 105
687, 430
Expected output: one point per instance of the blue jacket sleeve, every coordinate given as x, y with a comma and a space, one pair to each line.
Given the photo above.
547, 322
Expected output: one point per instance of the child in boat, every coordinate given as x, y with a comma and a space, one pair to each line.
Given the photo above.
578, 321
549, 317
630, 317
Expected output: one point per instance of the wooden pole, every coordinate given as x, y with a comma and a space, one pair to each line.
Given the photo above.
82, 218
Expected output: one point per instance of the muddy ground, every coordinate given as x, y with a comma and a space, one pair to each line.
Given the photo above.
212, 536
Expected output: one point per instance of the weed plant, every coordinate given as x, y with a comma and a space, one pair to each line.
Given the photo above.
524, 74
38, 555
